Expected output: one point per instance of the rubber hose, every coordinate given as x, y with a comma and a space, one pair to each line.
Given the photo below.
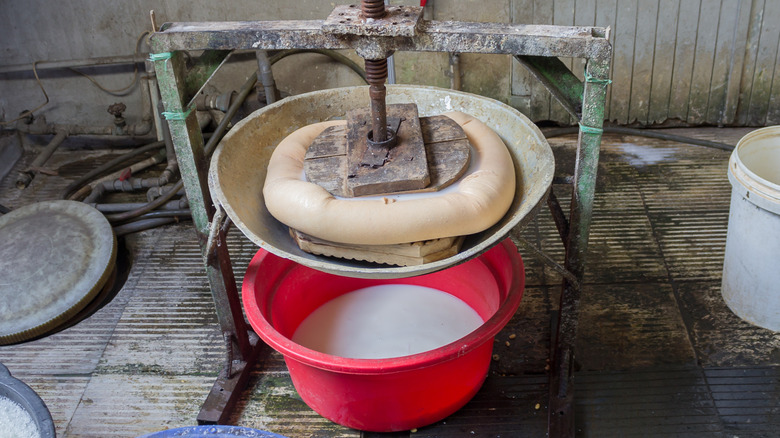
120, 207
229, 114
166, 213
338, 57
557, 132
72, 187
134, 227
120, 217
207, 150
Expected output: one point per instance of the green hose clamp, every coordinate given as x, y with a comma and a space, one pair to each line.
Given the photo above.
590, 129
160, 56
592, 80
164, 56
172, 115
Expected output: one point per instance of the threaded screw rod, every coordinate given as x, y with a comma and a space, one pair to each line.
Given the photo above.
372, 8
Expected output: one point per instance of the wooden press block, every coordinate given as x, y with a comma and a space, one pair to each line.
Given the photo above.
402, 254
446, 147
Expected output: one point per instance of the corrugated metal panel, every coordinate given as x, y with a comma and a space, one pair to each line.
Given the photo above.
761, 66
696, 62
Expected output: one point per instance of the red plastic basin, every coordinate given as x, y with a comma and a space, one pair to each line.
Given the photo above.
384, 395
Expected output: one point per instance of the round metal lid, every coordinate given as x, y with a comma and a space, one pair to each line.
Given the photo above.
54, 258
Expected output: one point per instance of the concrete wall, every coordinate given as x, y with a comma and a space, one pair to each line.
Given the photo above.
692, 61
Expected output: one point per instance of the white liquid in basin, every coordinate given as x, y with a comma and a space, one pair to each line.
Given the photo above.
384, 321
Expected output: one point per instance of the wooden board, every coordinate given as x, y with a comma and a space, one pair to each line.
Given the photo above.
402, 254
406, 165
446, 148
325, 162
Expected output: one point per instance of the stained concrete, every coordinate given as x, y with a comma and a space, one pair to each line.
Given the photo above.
658, 352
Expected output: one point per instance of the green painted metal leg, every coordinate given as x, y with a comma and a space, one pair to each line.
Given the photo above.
242, 344
561, 422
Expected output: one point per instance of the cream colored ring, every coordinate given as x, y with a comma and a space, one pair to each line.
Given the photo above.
481, 197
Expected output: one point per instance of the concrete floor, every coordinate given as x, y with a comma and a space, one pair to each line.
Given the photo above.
658, 352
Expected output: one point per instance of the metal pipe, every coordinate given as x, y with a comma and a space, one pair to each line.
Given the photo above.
559, 217
155, 192
455, 71
147, 113
120, 217
40, 127
105, 184
127, 206
166, 213
85, 62
556, 132
207, 150
144, 224
390, 61
170, 154
390, 70
154, 96
26, 176
229, 114
266, 76
336, 56
72, 187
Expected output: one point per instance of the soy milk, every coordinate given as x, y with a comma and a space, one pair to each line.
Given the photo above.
385, 321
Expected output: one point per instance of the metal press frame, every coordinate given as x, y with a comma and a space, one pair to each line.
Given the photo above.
537, 47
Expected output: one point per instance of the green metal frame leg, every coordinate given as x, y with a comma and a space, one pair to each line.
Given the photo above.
561, 421
242, 345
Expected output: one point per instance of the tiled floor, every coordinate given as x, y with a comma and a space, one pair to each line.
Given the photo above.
658, 352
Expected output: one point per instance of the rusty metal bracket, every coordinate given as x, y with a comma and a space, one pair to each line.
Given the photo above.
559, 217
226, 391
566, 88
214, 230
203, 70
548, 261
399, 21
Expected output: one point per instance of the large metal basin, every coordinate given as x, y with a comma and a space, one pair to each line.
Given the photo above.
238, 169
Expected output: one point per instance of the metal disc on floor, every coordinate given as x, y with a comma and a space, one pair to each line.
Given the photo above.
54, 258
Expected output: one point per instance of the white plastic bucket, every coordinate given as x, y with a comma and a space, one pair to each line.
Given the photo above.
751, 269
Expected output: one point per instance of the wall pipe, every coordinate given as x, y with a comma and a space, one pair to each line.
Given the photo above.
556, 132
455, 78
145, 224
178, 204
266, 77
75, 185
106, 184
207, 151
26, 176
70, 63
40, 127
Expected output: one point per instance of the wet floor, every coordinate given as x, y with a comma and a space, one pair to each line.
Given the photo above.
658, 351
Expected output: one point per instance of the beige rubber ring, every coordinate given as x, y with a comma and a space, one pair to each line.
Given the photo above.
481, 198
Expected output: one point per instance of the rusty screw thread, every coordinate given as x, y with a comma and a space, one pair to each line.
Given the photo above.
373, 8
376, 74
